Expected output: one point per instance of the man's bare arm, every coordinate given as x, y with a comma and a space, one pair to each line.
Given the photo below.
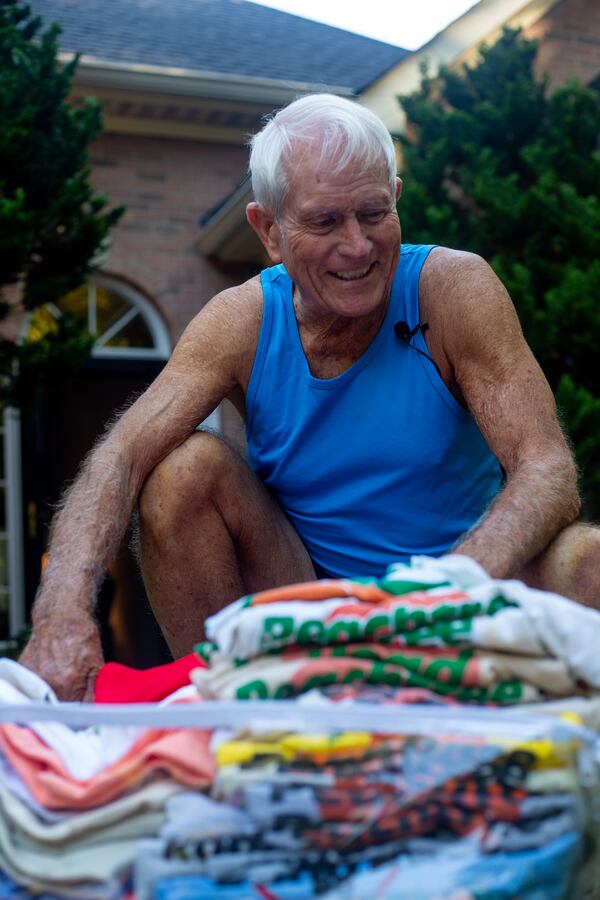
209, 360
495, 372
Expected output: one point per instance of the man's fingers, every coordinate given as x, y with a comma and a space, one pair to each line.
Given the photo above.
88, 696
71, 675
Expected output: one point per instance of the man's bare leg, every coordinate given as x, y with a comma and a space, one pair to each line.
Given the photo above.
570, 565
210, 532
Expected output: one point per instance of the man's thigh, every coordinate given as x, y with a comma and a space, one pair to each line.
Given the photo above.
272, 552
206, 493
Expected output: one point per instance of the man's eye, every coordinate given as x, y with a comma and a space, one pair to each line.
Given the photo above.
373, 215
323, 224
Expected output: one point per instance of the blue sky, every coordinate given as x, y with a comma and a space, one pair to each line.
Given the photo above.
407, 23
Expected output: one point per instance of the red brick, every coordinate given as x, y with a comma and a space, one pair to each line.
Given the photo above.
570, 41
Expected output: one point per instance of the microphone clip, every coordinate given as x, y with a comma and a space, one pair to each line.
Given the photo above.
405, 333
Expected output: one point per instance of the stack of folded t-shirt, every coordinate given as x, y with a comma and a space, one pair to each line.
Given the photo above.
411, 816
74, 803
402, 815
442, 626
451, 807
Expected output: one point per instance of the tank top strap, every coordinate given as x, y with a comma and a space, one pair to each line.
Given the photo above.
412, 260
271, 299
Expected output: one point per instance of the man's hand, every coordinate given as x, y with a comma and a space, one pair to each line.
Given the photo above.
65, 651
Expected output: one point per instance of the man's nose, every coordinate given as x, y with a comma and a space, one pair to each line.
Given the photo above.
354, 240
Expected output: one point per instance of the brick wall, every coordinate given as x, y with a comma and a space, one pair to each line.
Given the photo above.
166, 185
569, 41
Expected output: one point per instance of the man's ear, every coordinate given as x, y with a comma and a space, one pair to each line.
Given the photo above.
264, 224
398, 188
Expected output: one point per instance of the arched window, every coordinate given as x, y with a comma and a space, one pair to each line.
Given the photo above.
126, 325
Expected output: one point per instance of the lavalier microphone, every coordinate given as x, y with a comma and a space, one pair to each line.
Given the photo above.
406, 334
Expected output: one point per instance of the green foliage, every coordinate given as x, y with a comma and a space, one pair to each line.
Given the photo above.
52, 225
496, 164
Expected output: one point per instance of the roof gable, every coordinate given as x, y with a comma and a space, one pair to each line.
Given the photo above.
232, 37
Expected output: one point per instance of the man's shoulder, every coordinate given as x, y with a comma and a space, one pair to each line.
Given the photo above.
246, 297
235, 311
225, 333
443, 262
229, 325
451, 278
232, 321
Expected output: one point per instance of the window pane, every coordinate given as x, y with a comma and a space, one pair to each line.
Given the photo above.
76, 302
2, 507
109, 309
135, 334
42, 322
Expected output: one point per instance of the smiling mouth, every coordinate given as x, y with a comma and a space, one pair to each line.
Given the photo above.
353, 274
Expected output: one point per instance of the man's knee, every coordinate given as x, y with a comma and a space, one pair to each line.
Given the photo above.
185, 480
570, 565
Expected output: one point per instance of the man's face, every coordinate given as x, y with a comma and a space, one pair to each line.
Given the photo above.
339, 237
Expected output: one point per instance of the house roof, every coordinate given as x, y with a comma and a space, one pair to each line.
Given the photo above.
231, 37
458, 43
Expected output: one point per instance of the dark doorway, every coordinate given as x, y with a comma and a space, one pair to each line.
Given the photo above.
67, 420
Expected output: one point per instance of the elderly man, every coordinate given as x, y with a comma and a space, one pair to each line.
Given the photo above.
392, 407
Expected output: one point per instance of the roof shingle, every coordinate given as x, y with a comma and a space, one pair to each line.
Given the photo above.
233, 37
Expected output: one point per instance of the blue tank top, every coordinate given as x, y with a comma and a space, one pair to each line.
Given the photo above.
376, 464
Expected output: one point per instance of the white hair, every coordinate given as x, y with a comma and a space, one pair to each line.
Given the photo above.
344, 131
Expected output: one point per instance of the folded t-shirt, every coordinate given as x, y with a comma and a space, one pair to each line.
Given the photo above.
116, 683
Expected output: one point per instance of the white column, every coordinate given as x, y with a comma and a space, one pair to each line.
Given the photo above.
14, 519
